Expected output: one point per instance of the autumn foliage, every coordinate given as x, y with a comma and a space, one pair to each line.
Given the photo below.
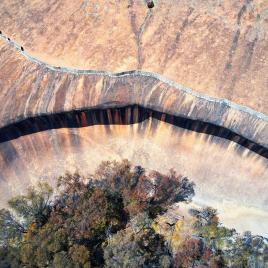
110, 219
76, 226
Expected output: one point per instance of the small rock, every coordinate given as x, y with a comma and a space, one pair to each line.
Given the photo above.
150, 4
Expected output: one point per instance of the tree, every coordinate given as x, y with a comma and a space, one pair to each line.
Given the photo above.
137, 246
26, 211
34, 206
152, 192
109, 220
189, 253
10, 228
228, 248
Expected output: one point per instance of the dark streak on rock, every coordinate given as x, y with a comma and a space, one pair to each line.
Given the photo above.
232, 51
233, 82
61, 93
133, 18
171, 50
141, 31
8, 153
138, 31
250, 46
126, 115
48, 92
240, 14
10, 94
228, 65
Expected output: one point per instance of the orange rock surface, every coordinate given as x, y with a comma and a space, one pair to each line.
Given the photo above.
215, 47
59, 59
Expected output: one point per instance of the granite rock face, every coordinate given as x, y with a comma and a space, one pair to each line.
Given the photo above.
181, 85
216, 47
36, 88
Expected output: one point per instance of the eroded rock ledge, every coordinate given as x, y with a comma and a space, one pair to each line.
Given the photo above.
120, 116
31, 89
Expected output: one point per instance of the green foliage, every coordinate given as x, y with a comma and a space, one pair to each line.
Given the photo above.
225, 246
40, 245
9, 256
34, 206
209, 228
10, 228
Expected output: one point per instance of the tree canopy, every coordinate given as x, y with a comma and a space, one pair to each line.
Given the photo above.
109, 220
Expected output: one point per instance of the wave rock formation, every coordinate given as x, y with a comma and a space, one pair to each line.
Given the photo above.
55, 118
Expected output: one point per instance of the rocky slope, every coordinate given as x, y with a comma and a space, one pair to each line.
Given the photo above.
216, 47
71, 101
32, 88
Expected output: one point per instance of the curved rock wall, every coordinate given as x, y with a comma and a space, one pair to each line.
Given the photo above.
127, 115
227, 176
217, 47
33, 88
58, 113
